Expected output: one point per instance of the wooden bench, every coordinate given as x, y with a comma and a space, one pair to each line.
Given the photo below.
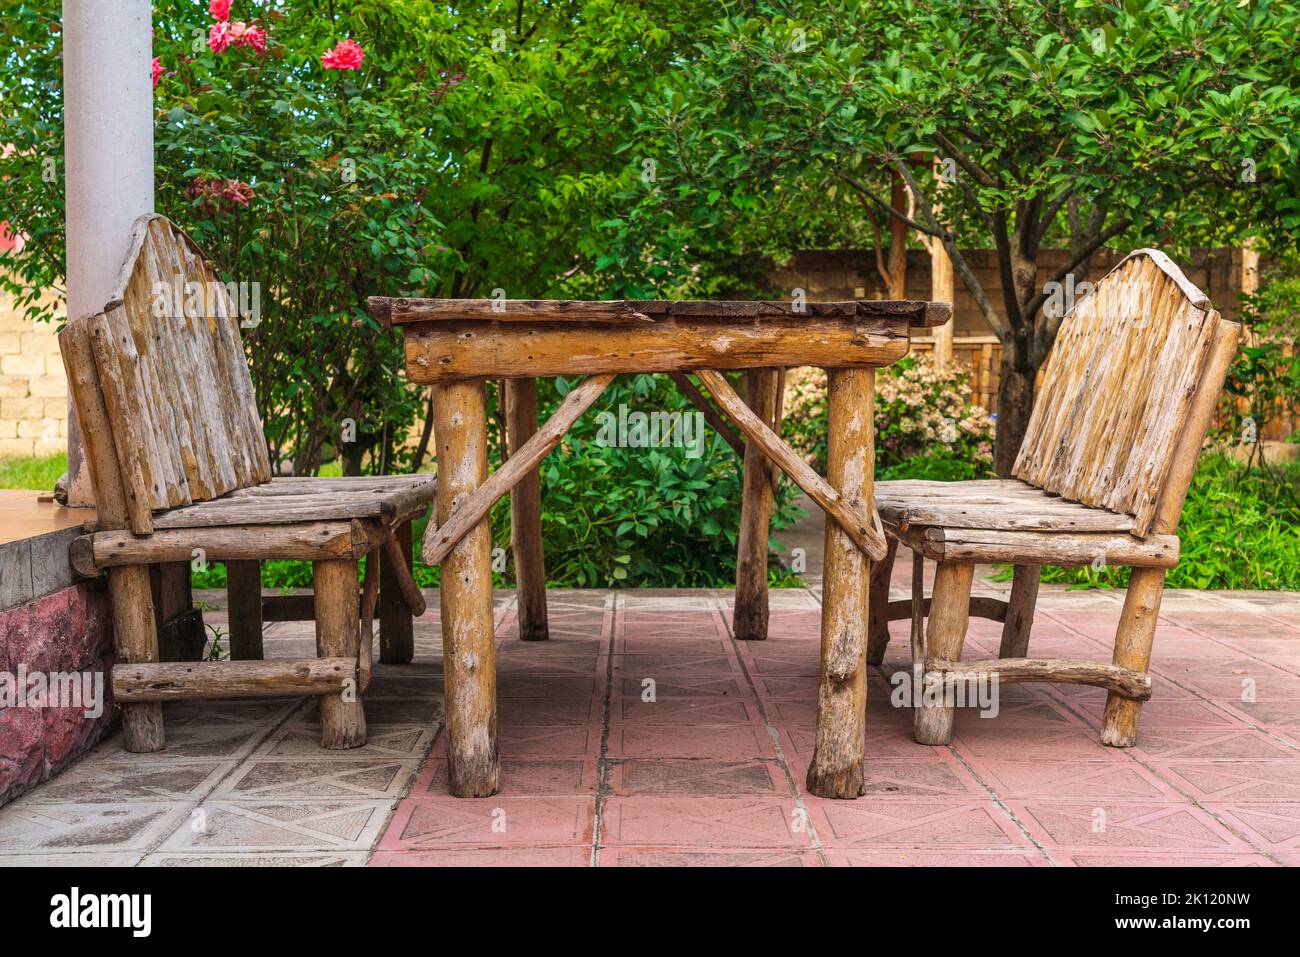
179, 464
454, 345
1100, 479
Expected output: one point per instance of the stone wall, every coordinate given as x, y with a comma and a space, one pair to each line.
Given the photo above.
67, 631
33, 387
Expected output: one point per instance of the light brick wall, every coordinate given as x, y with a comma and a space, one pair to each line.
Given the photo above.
33, 387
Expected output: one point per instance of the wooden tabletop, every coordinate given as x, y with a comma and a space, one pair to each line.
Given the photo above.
401, 311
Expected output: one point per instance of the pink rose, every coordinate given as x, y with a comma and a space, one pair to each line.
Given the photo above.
220, 38
220, 10
254, 37
346, 56
157, 71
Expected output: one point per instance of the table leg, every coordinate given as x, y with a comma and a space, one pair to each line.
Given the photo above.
468, 653
836, 770
751, 610
526, 515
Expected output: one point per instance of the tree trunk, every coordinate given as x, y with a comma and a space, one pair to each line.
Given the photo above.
1015, 403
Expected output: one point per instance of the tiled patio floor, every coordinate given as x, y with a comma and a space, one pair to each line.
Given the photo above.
711, 770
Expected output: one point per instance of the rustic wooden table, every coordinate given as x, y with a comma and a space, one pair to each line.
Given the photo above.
454, 345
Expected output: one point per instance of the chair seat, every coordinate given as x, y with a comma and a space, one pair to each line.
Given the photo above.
1004, 504
997, 520
285, 501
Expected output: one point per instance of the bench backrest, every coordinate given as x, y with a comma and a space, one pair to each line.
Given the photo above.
168, 405
1135, 370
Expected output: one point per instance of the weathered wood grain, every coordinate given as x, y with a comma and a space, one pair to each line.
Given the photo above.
1130, 684
180, 681
836, 769
1116, 392
451, 351
401, 311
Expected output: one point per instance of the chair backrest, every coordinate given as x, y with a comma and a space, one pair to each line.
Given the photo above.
1135, 370
170, 382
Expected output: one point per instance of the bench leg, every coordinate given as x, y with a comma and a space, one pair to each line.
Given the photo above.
338, 634
878, 625
244, 605
1133, 638
526, 515
1020, 611
944, 636
135, 635
749, 619
836, 770
468, 652
396, 627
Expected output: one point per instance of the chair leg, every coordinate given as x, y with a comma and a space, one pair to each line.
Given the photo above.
468, 651
878, 626
396, 627
135, 635
836, 770
338, 634
750, 617
526, 516
1020, 611
244, 605
1133, 638
945, 634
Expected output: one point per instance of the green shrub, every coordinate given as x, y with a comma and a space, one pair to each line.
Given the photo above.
611, 516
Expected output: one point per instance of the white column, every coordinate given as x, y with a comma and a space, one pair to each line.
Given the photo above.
108, 157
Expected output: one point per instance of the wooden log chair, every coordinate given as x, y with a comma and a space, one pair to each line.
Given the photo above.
1127, 396
454, 345
179, 465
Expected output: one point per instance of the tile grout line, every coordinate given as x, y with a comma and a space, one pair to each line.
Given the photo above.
614, 610
715, 607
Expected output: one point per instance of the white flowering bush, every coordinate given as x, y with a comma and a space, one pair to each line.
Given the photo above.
926, 427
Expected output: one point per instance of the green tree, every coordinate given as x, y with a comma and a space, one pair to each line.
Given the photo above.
1069, 124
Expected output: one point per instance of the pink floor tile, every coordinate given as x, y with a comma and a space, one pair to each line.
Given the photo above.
1271, 827
1236, 780
498, 821
631, 740
1164, 744
685, 712
552, 777
683, 685
749, 778
912, 857
1083, 826
728, 822
579, 856
1156, 859
706, 857
1100, 781
949, 823
558, 740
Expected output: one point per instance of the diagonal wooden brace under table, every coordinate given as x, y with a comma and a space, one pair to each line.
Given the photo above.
455, 345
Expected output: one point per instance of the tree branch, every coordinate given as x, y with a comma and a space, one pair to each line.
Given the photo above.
959, 264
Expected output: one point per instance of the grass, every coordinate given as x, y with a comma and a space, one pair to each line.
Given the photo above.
39, 474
